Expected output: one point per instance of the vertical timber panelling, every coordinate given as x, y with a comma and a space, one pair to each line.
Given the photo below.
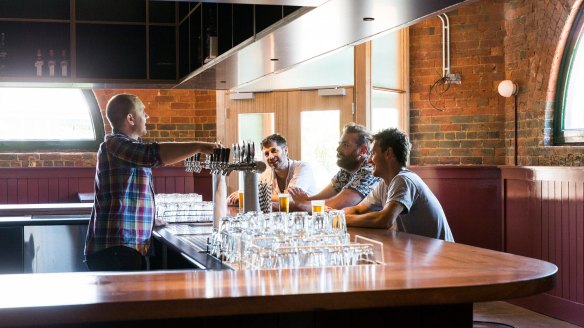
548, 223
470, 197
61, 185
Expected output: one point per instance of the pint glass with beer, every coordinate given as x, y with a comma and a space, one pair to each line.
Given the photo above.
240, 193
317, 206
284, 200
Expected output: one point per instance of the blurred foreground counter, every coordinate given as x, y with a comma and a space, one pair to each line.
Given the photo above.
423, 283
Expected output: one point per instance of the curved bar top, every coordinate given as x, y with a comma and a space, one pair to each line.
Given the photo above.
418, 272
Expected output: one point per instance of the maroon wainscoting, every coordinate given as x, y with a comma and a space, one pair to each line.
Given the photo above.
471, 198
544, 219
62, 185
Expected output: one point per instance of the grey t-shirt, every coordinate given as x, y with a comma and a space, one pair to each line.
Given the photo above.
423, 215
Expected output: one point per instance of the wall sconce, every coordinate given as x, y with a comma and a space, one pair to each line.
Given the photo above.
332, 92
508, 88
241, 96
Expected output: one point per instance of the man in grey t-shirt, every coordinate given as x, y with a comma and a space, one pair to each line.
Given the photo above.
401, 201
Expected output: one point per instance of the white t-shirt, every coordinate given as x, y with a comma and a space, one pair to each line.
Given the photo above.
300, 175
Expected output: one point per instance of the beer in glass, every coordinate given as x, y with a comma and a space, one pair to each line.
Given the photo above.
284, 200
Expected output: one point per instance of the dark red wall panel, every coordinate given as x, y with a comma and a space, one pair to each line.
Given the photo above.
471, 199
543, 216
62, 185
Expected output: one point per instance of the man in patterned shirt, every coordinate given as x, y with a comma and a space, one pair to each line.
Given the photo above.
120, 228
355, 178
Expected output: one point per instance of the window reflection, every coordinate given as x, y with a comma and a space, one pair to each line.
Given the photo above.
574, 116
385, 110
44, 114
319, 139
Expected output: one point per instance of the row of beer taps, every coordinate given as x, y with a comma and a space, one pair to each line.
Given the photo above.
218, 162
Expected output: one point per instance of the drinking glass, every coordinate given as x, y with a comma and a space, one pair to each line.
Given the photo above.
321, 224
317, 206
299, 223
240, 194
284, 200
338, 224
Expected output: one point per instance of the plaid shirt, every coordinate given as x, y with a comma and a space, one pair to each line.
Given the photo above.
123, 210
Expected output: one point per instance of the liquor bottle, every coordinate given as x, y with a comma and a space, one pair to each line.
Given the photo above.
3, 54
51, 62
64, 63
39, 63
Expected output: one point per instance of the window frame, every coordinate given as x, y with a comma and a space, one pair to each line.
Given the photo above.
575, 40
24, 146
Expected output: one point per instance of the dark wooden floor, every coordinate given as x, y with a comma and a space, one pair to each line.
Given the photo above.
515, 316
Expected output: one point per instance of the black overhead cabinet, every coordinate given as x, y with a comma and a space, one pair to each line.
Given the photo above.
122, 41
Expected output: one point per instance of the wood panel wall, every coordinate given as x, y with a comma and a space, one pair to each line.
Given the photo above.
544, 219
62, 185
470, 197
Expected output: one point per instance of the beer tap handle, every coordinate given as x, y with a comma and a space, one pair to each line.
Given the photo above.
253, 151
248, 157
226, 152
216, 154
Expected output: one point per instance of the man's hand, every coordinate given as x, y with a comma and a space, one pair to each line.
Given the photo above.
298, 194
233, 199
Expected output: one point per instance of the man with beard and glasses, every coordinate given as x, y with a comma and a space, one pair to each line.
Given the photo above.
285, 173
355, 178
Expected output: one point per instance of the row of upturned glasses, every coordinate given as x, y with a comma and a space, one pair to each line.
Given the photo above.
287, 240
173, 208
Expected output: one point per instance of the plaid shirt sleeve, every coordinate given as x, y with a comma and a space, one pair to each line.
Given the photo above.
124, 209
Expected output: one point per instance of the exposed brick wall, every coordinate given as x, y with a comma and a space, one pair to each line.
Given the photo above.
491, 40
535, 34
468, 126
175, 115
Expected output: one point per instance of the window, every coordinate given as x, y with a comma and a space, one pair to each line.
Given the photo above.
319, 137
388, 80
569, 119
34, 119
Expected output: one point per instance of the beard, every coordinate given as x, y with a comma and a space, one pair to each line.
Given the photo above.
348, 163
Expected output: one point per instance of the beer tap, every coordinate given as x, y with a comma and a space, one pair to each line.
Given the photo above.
219, 161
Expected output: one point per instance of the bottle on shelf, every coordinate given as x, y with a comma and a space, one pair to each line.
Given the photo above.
39, 63
64, 63
3, 54
51, 63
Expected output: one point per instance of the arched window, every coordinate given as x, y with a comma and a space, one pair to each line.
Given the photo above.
569, 117
49, 119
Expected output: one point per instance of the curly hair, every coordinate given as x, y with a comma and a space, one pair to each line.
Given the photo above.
397, 140
274, 138
363, 135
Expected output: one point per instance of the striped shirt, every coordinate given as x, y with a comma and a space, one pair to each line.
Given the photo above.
123, 210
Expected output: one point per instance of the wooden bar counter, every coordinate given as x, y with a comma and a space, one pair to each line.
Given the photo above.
423, 283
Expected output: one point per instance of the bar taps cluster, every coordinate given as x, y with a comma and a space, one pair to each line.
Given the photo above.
219, 163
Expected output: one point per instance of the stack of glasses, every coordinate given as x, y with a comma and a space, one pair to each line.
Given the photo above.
174, 208
277, 240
